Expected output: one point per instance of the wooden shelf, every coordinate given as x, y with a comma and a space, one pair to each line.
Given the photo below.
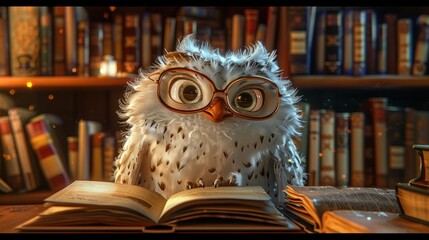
63, 82
299, 81
351, 82
33, 197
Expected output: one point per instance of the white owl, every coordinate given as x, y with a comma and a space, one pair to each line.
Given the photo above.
200, 118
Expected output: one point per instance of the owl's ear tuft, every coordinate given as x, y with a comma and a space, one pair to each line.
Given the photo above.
177, 57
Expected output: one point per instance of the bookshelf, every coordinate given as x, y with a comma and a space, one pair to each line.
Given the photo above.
97, 97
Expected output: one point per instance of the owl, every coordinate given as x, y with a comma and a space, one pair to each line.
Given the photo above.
199, 117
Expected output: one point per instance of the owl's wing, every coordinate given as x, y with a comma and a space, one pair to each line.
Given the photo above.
288, 168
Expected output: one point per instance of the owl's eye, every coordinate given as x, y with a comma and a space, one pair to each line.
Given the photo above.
249, 99
185, 91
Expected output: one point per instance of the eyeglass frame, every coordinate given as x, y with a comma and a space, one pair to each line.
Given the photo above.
216, 93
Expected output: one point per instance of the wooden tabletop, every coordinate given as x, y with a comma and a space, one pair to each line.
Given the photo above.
13, 215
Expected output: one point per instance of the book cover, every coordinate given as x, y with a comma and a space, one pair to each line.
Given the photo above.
405, 45
30, 168
59, 41
342, 149
313, 157
134, 208
333, 42
24, 39
357, 149
46, 147
10, 155
327, 144
4, 42
413, 201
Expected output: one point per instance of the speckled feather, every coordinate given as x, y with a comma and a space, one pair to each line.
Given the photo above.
164, 150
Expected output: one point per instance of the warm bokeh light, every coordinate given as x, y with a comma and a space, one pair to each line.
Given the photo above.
29, 84
51, 97
12, 92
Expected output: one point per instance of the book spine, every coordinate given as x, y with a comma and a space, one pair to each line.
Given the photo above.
29, 174
392, 48
395, 134
422, 45
298, 40
327, 142
342, 149
251, 20
378, 114
131, 43
108, 39
95, 47
51, 164
86, 128
118, 37
348, 42
359, 53
10, 156
83, 48
4, 42
238, 29
357, 149
72, 147
24, 29
146, 40
169, 34
156, 35
70, 40
404, 46
59, 57
271, 33
371, 40
410, 157
46, 50
314, 148
260, 33
382, 49
97, 167
109, 153
282, 40
333, 42
320, 42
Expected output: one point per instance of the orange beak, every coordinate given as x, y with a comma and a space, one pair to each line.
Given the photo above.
217, 111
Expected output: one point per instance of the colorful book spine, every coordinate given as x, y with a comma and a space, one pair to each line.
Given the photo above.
169, 41
282, 37
359, 52
97, 165
51, 164
108, 39
72, 147
357, 149
371, 40
86, 128
382, 49
156, 35
238, 31
10, 156
405, 47
18, 118
118, 37
392, 47
333, 42
131, 43
271, 32
327, 142
251, 20
95, 47
146, 40
83, 48
70, 40
319, 61
342, 149
24, 29
422, 45
298, 17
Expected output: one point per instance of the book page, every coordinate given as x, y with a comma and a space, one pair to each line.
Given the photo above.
319, 199
99, 193
206, 195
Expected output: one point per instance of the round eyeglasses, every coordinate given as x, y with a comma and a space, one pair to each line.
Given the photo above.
187, 91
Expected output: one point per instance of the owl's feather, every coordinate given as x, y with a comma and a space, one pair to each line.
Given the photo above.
164, 150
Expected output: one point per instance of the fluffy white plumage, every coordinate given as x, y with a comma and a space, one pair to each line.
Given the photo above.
169, 151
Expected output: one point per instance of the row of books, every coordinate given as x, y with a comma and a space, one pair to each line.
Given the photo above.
358, 41
36, 153
371, 147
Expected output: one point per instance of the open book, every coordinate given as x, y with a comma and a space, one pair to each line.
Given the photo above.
306, 205
107, 206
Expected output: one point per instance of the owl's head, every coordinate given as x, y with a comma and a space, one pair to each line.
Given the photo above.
197, 79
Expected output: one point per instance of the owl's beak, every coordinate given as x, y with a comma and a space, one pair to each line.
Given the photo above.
217, 111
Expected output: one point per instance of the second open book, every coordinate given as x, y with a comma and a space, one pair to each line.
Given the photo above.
101, 206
